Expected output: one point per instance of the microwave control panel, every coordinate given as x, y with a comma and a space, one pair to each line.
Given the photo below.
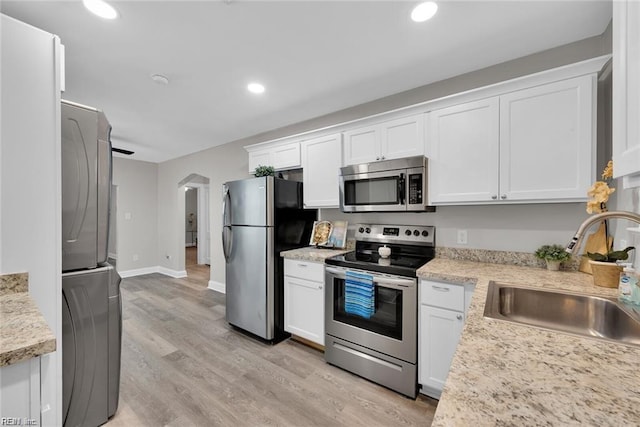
415, 189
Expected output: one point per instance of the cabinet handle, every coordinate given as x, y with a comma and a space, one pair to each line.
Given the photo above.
494, 197
382, 157
459, 317
440, 288
504, 196
302, 265
320, 287
377, 158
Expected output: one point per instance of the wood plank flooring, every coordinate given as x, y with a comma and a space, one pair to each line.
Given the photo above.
183, 365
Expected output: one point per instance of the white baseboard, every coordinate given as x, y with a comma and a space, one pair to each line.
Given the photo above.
217, 286
155, 269
138, 272
176, 274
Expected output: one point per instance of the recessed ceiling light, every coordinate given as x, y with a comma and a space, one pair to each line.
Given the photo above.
160, 79
424, 11
101, 8
255, 88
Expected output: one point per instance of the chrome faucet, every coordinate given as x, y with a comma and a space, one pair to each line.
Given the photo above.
575, 242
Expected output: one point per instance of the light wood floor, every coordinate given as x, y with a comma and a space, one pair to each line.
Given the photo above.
183, 365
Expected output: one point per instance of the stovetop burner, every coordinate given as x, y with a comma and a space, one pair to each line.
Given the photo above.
411, 247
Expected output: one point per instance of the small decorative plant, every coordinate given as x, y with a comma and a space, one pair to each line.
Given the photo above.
552, 253
264, 171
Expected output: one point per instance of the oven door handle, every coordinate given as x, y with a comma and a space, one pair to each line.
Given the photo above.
386, 282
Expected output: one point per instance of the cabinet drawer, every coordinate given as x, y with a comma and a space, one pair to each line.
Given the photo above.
443, 295
304, 270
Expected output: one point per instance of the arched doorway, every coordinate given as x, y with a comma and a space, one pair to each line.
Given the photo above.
196, 227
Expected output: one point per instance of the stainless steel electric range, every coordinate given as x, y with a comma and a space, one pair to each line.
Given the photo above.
371, 304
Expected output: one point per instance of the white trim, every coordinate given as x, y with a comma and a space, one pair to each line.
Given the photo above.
217, 286
138, 272
176, 274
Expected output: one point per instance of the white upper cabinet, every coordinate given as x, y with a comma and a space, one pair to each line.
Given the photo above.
535, 144
393, 139
463, 163
321, 162
547, 141
626, 90
281, 156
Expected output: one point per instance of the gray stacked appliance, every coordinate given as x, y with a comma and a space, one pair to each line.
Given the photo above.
91, 304
261, 218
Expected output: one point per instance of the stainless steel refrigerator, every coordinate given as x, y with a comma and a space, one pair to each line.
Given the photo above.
261, 218
91, 305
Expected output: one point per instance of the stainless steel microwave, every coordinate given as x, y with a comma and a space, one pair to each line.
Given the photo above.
387, 186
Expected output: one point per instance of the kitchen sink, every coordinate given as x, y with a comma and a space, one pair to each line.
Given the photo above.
583, 315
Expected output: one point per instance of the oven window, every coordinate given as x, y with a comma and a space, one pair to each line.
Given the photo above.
375, 191
387, 319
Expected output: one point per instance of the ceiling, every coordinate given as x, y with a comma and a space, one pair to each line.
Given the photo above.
314, 57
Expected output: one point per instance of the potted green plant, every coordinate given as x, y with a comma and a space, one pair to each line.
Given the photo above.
553, 255
264, 171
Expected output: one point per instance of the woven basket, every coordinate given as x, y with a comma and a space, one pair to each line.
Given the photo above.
605, 274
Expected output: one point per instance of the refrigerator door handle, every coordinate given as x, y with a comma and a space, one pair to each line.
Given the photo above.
226, 206
227, 241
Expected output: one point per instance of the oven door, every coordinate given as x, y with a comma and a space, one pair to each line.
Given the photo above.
391, 330
373, 192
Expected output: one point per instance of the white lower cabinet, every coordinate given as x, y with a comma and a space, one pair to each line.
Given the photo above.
442, 314
20, 392
304, 299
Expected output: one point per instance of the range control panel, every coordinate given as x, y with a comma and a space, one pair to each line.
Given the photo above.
408, 234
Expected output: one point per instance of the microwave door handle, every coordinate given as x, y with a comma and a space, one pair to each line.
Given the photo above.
401, 188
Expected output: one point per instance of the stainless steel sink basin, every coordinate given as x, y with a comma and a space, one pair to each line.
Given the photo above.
584, 315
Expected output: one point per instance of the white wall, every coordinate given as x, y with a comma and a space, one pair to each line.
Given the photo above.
30, 212
137, 214
520, 228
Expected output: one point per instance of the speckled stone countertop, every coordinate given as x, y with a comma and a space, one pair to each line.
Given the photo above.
24, 333
311, 253
509, 374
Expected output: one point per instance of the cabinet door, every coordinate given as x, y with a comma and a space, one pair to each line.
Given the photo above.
20, 385
362, 145
403, 137
286, 156
321, 162
259, 158
304, 309
464, 150
547, 141
439, 334
626, 88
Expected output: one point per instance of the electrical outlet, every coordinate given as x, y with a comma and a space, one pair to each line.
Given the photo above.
168, 256
127, 216
462, 237
135, 257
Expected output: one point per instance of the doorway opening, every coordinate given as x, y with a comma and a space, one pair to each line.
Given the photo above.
196, 228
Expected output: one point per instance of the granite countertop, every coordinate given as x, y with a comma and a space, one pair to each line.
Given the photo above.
24, 333
311, 253
509, 374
